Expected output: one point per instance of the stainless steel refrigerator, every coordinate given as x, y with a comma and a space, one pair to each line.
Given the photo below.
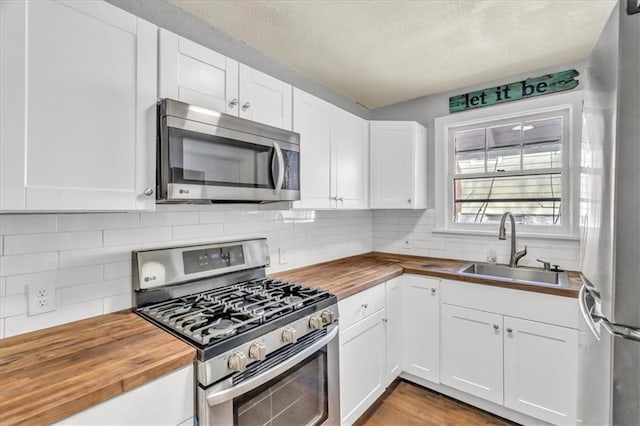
610, 225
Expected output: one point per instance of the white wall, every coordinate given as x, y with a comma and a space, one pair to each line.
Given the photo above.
392, 227
88, 256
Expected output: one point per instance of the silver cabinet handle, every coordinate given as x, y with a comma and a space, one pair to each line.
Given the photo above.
509, 330
496, 326
246, 106
233, 102
280, 177
340, 199
384, 320
334, 198
409, 200
148, 192
433, 291
365, 305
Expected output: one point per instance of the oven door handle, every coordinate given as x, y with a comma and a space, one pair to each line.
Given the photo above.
215, 398
280, 158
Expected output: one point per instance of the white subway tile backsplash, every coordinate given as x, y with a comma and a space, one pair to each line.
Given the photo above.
122, 237
13, 305
198, 231
155, 219
82, 293
96, 221
98, 256
117, 270
26, 263
61, 278
27, 224
117, 302
3, 287
36, 243
24, 323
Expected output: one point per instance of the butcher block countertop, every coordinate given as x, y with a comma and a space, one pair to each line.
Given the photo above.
50, 374
351, 275
53, 373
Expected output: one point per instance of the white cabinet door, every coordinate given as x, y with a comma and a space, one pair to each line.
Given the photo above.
194, 74
394, 328
471, 352
264, 98
350, 159
312, 119
540, 370
168, 400
78, 107
362, 366
398, 165
421, 327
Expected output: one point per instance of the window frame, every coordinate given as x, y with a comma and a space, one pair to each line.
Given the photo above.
567, 105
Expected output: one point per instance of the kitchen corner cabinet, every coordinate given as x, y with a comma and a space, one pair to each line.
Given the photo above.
421, 311
394, 328
334, 155
398, 165
168, 400
362, 352
194, 74
78, 107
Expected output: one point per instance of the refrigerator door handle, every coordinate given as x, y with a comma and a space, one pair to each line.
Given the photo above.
587, 312
618, 330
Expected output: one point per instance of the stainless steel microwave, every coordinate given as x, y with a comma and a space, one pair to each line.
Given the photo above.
205, 155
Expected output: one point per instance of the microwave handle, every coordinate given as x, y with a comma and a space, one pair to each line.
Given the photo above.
280, 177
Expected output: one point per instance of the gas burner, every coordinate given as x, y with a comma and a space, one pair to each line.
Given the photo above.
296, 301
222, 328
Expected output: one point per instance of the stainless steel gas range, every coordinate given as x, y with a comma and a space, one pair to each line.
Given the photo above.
267, 349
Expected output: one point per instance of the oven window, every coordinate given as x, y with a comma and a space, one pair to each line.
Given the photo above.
296, 397
196, 158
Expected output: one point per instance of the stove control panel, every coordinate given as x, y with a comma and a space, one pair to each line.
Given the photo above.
212, 258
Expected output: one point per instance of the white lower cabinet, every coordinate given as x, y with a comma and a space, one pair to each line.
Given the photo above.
540, 370
394, 328
421, 317
471, 352
168, 400
362, 366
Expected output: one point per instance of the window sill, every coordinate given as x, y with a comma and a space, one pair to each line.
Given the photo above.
523, 235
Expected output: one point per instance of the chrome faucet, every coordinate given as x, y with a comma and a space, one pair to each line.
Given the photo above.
502, 235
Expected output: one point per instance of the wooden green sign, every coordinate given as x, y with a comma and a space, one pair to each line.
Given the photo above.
550, 83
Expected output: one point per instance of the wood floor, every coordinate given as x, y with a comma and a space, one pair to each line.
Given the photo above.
408, 404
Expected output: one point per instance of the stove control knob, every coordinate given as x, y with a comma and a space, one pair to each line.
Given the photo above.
315, 323
327, 317
238, 362
289, 335
258, 351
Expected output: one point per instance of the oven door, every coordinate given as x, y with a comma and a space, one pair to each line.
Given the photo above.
200, 161
301, 389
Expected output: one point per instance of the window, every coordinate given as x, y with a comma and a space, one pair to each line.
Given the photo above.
516, 162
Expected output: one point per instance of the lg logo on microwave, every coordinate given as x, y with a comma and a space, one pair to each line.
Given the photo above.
183, 191
149, 278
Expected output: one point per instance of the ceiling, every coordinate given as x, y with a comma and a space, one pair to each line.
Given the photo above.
383, 52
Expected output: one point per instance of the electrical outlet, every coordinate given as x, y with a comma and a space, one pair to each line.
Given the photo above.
407, 243
42, 298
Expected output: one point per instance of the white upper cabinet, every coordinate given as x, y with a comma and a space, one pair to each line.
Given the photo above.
398, 165
350, 160
78, 83
78, 107
264, 98
333, 154
194, 74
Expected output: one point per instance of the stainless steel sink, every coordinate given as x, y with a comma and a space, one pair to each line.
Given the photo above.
517, 275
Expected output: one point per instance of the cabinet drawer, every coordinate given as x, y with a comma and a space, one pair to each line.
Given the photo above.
361, 305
